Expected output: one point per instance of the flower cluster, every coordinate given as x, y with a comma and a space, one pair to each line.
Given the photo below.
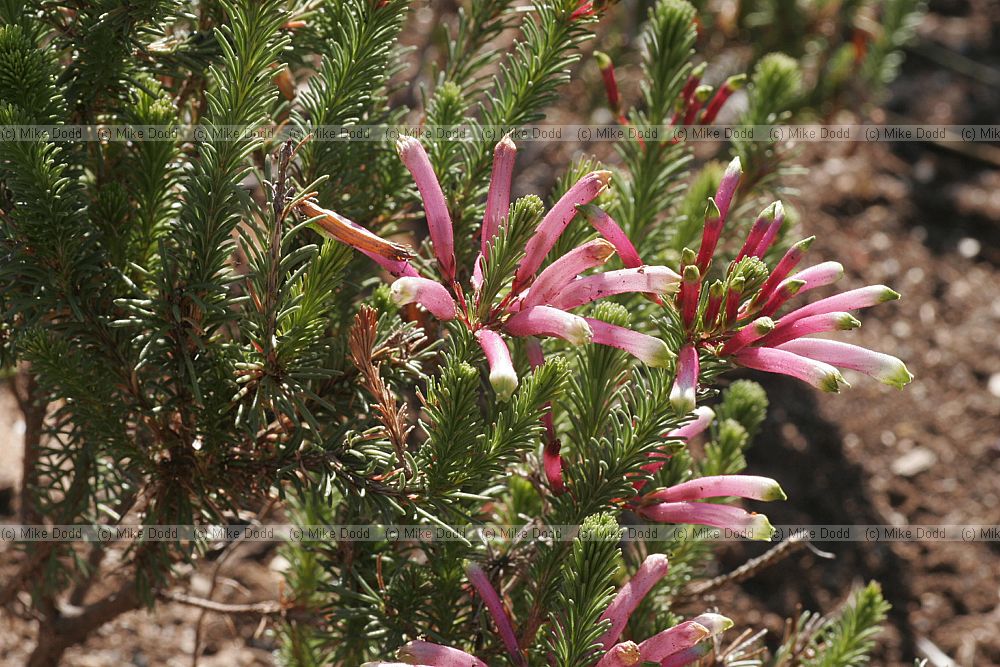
539, 300
680, 645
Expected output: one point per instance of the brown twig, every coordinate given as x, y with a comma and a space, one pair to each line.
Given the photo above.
392, 416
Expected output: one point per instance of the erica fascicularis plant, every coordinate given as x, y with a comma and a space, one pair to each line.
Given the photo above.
380, 333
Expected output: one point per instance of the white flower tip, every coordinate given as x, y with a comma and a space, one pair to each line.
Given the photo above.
405, 145
579, 332
714, 624
603, 176
403, 291
779, 210
704, 412
506, 144
627, 653
683, 402
504, 382
658, 356
735, 167
760, 528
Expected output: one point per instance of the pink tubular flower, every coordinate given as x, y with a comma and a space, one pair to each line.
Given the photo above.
757, 231
784, 267
818, 374
650, 279
703, 416
613, 233
683, 393
494, 605
549, 321
434, 655
610, 82
651, 351
559, 273
682, 636
436, 208
498, 196
854, 299
821, 323
748, 334
502, 374
430, 294
754, 526
883, 367
731, 85
652, 570
771, 233
720, 486
687, 656
711, 232
554, 224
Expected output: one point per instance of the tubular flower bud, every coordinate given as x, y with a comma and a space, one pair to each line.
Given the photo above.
855, 299
810, 325
498, 197
434, 655
727, 186
655, 279
502, 374
791, 259
494, 605
733, 296
687, 299
786, 290
613, 233
548, 321
771, 233
626, 654
818, 374
430, 294
648, 349
554, 224
610, 82
747, 335
439, 224
716, 293
559, 273
731, 85
680, 637
683, 394
883, 367
752, 525
652, 570
711, 232
757, 231
751, 487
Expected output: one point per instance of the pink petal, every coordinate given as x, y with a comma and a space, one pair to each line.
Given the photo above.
727, 186
791, 259
683, 393
502, 374
882, 367
752, 525
720, 486
748, 334
656, 279
559, 273
680, 637
806, 326
756, 232
498, 197
786, 290
554, 224
613, 233
710, 233
434, 655
549, 321
491, 599
648, 349
430, 294
687, 656
771, 233
731, 85
854, 299
626, 654
435, 206
652, 570
820, 375
703, 416
716, 293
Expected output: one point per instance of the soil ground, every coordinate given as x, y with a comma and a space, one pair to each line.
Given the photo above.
922, 218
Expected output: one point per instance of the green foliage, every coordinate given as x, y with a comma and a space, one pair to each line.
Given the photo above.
847, 639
